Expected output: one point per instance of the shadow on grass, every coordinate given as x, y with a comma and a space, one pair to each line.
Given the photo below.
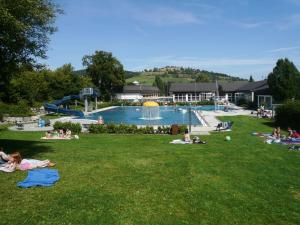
28, 149
269, 123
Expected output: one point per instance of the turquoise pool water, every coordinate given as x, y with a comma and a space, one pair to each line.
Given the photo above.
134, 115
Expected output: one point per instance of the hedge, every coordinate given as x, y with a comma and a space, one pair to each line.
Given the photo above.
75, 128
130, 129
288, 115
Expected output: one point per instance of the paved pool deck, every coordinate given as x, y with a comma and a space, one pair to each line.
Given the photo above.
211, 120
100, 110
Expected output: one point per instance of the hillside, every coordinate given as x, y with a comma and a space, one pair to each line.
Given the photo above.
173, 75
177, 75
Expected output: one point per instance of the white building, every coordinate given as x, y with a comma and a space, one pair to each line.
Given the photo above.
138, 92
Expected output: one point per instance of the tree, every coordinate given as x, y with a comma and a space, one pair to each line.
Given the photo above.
251, 79
25, 26
30, 86
202, 78
159, 83
106, 72
39, 86
284, 81
63, 81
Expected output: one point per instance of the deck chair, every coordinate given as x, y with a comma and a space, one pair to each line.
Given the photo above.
20, 126
223, 126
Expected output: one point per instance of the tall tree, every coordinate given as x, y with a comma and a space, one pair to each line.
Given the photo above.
106, 72
25, 26
63, 81
284, 81
30, 86
159, 83
251, 79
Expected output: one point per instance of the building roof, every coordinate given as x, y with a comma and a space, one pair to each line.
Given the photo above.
143, 89
235, 86
193, 87
253, 86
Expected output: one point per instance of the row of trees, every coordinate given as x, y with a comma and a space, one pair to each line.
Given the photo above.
45, 85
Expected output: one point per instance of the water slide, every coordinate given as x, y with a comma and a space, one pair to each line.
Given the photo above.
54, 106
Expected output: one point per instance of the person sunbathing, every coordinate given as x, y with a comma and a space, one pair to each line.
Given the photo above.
28, 164
292, 133
10, 158
9, 162
68, 133
196, 140
276, 133
14, 161
186, 136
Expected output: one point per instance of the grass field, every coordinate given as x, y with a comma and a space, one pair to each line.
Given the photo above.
141, 179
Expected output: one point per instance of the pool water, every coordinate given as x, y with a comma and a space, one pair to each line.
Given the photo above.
133, 115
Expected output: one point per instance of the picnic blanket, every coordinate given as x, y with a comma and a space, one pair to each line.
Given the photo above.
40, 177
261, 134
293, 141
60, 138
7, 167
179, 141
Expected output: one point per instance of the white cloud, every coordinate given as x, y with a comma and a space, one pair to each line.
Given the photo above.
162, 16
289, 22
284, 49
251, 25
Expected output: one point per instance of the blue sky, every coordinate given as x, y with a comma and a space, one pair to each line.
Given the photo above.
238, 37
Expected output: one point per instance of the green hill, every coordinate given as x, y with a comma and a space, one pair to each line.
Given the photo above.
177, 75
173, 75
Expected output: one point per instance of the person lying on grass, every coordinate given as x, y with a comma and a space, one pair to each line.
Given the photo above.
9, 162
14, 161
186, 136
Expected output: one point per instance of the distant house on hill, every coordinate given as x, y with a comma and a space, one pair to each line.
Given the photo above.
137, 92
232, 91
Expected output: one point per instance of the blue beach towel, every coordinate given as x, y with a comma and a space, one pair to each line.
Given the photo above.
40, 177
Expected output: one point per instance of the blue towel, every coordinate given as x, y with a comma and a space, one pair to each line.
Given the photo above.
40, 177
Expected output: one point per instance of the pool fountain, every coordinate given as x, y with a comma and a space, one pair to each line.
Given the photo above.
150, 111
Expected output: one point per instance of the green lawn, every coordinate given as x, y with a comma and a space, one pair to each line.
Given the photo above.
141, 179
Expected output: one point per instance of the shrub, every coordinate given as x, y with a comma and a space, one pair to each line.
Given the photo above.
126, 129
75, 128
246, 103
182, 128
242, 102
288, 114
111, 128
97, 128
19, 109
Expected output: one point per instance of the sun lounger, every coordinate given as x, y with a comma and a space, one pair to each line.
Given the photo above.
224, 126
20, 126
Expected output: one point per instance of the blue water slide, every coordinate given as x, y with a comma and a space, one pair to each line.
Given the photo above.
54, 106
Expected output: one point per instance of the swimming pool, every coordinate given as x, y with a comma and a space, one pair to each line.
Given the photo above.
133, 115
